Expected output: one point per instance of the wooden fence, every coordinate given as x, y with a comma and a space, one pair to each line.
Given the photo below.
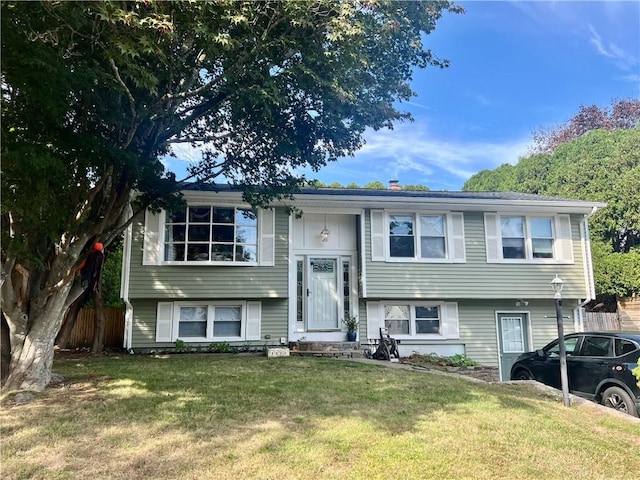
629, 310
82, 333
601, 321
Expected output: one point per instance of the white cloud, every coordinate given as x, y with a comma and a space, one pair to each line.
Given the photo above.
605, 24
611, 50
411, 155
482, 100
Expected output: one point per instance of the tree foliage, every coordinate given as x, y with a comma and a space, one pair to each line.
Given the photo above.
601, 166
616, 273
96, 93
376, 185
622, 115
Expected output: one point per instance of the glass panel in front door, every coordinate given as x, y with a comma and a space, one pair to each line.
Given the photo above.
323, 295
512, 335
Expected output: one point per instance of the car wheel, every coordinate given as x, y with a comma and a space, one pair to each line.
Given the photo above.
616, 397
522, 375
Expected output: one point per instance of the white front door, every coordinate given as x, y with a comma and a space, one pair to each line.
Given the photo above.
323, 298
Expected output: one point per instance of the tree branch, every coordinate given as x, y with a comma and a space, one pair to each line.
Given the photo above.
132, 103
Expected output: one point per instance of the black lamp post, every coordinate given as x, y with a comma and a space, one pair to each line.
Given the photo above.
557, 285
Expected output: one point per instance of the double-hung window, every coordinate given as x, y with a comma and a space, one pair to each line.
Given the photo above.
421, 237
419, 319
208, 321
541, 237
524, 238
413, 319
513, 237
205, 233
417, 236
402, 236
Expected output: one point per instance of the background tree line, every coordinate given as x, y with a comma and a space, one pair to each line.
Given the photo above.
593, 156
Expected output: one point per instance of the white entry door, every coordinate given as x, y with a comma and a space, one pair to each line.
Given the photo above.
323, 299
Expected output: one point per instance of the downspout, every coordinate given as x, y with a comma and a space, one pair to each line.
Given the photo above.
124, 286
590, 289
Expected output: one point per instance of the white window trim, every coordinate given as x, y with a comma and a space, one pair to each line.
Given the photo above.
450, 256
495, 239
154, 239
163, 223
167, 327
210, 316
449, 320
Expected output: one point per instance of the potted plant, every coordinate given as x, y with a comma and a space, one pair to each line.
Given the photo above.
351, 322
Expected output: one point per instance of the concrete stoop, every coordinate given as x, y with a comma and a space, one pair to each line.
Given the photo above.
326, 349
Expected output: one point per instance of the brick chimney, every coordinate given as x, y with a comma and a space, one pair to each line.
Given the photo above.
394, 185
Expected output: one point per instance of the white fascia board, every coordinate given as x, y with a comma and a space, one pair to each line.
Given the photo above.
193, 196
481, 205
357, 202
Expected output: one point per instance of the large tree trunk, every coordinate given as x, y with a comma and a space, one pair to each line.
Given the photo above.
32, 339
32, 335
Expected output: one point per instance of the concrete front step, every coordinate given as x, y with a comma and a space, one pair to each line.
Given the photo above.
328, 354
326, 349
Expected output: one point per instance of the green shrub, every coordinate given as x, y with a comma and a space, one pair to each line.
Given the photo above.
433, 359
461, 360
181, 346
219, 347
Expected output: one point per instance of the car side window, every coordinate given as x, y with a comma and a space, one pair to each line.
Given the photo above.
569, 345
622, 347
596, 347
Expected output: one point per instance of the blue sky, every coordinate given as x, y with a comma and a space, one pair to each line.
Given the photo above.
516, 67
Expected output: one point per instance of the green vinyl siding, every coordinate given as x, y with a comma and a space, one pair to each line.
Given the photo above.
475, 278
478, 329
143, 335
211, 282
477, 320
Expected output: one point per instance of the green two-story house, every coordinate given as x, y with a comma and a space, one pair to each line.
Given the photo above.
443, 272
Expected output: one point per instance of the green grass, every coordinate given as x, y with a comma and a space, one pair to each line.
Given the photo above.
248, 417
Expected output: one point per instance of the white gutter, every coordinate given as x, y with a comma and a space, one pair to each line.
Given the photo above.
404, 202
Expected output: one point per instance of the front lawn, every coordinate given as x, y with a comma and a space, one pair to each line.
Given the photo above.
244, 417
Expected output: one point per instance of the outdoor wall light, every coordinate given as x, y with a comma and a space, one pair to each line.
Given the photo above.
522, 302
324, 233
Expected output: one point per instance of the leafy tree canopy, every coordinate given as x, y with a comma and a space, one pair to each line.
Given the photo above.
377, 185
622, 115
262, 87
96, 93
600, 165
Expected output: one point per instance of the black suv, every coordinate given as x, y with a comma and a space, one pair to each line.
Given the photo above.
599, 366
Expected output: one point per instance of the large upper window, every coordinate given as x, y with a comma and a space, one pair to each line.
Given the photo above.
417, 236
211, 234
526, 238
513, 238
